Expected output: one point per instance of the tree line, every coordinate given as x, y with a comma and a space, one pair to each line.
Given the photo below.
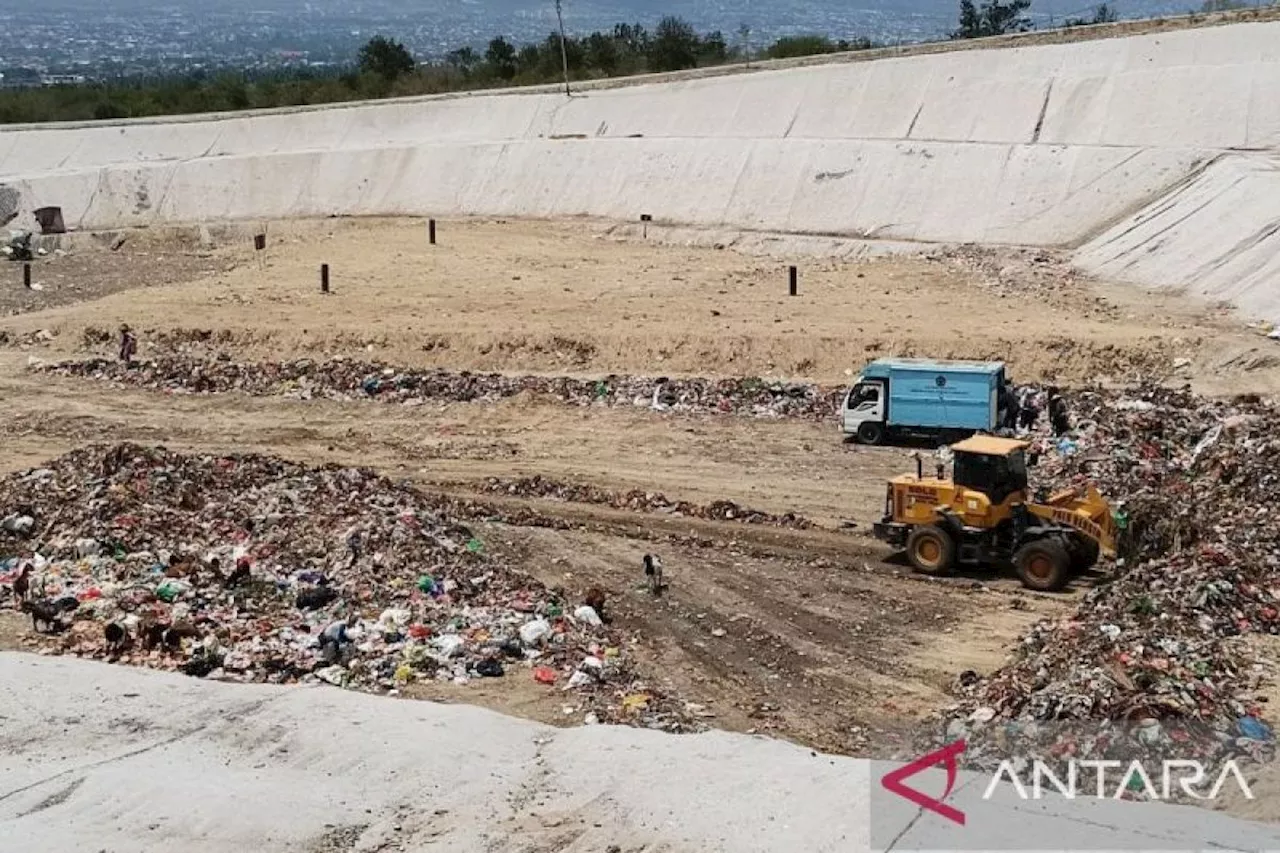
385, 68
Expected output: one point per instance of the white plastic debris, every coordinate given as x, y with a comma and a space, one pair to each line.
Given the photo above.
587, 614
448, 645
535, 632
20, 524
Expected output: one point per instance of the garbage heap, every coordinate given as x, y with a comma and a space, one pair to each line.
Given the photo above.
231, 567
1150, 665
639, 500
344, 379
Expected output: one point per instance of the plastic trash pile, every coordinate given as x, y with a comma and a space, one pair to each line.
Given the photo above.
343, 379
233, 567
1151, 663
638, 500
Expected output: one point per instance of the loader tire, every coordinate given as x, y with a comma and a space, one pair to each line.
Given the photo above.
931, 550
1084, 553
870, 433
1043, 565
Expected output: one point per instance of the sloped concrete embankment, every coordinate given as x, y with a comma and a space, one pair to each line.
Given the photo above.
1215, 236
104, 757
1042, 145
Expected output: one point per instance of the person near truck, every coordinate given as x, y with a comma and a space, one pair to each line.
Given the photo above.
1013, 407
1029, 410
1058, 413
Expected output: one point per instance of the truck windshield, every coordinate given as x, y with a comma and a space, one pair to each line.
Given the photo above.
863, 394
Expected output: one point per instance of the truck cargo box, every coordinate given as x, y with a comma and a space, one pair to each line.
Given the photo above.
911, 395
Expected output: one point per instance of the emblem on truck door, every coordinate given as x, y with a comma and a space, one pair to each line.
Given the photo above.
940, 381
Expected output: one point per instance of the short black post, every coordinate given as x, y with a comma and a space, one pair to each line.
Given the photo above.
794, 281
431, 231
26, 276
324, 278
646, 219
259, 242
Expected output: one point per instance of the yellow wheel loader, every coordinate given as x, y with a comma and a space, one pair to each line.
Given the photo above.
982, 516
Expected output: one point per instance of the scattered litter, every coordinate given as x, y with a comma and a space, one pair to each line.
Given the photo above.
345, 379
248, 568
1195, 485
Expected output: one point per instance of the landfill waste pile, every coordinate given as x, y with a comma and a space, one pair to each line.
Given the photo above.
1150, 665
639, 500
344, 379
251, 568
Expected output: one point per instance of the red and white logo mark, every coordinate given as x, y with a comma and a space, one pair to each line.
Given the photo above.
948, 757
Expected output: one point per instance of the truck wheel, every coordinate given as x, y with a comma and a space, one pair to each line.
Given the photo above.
870, 433
1084, 553
930, 550
1043, 565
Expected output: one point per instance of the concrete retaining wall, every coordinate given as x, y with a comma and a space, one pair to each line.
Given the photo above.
1215, 236
99, 757
1043, 145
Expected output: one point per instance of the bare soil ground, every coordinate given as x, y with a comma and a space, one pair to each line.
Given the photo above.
810, 635
566, 297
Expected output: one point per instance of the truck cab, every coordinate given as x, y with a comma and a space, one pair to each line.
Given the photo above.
864, 404
924, 398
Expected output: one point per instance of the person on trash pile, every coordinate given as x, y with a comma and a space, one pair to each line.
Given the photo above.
336, 644
1028, 410
1058, 413
128, 344
1013, 407
354, 540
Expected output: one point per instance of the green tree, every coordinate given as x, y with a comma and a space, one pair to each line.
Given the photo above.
501, 57
634, 36
574, 54
233, 92
790, 46
386, 58
109, 109
713, 49
992, 18
529, 59
674, 45
464, 59
602, 54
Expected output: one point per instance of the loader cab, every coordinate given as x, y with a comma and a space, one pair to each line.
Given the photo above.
996, 467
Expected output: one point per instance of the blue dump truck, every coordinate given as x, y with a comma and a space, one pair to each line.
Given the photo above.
919, 398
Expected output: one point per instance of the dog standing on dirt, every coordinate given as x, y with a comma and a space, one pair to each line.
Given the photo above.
653, 572
46, 613
22, 583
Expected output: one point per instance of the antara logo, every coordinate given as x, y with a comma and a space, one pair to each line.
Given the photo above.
948, 756
1190, 776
